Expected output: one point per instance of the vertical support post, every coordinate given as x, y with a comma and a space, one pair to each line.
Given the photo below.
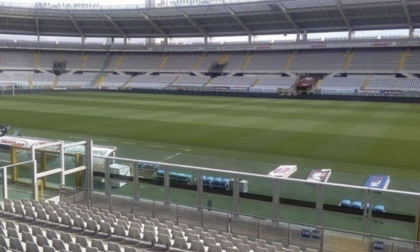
62, 165
417, 219
167, 186
350, 34
165, 40
5, 185
200, 188
319, 203
411, 32
43, 167
89, 164
366, 211
298, 36
249, 38
34, 173
206, 39
13, 160
321, 245
236, 194
107, 178
78, 174
276, 200
83, 40
305, 36
125, 40
177, 214
136, 181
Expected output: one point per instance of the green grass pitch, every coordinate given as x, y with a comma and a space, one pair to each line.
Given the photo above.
354, 139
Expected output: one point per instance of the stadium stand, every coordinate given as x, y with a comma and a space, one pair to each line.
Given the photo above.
76, 80
274, 83
143, 61
394, 84
180, 61
17, 59
413, 60
192, 81
208, 60
43, 80
387, 59
151, 81
342, 83
114, 80
235, 61
14, 78
26, 236
268, 61
318, 60
232, 82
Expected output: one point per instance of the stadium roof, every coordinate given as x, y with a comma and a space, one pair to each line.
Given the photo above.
256, 18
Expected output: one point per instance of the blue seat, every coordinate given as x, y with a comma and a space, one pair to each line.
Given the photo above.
221, 183
345, 203
357, 205
379, 209
207, 181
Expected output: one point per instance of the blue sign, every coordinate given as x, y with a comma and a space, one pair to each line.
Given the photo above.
306, 233
378, 245
316, 234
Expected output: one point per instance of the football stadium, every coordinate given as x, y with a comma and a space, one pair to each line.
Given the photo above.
210, 126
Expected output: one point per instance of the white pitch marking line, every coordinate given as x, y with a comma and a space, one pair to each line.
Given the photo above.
127, 143
156, 146
172, 156
185, 149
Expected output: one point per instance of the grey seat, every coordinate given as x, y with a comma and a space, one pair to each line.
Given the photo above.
27, 237
59, 245
75, 247
134, 233
67, 238
24, 228
150, 236
51, 234
42, 241
114, 247
181, 243
164, 239
31, 247
98, 244
82, 241
16, 244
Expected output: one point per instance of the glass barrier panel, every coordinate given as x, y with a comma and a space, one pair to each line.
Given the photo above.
215, 220
275, 231
218, 190
401, 246
19, 182
245, 226
165, 212
391, 228
344, 208
191, 216
183, 184
121, 178
143, 208
345, 242
100, 200
1, 185
256, 196
297, 214
305, 237
150, 187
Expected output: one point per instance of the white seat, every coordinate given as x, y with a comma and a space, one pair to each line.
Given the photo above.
310, 250
105, 227
75, 247
27, 237
42, 241
83, 241
4, 241
134, 233
278, 246
294, 248
32, 247
120, 231
232, 250
215, 248
92, 225
67, 238
198, 246
16, 244
164, 239
150, 236
51, 234
243, 248
226, 244
59, 245
181, 243
24, 228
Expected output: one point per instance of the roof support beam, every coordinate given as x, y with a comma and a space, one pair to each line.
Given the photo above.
115, 25
76, 25
153, 24
289, 17
37, 27
340, 8
241, 23
195, 24
407, 14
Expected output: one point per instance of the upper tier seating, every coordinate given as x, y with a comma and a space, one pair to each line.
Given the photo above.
208, 60
372, 59
235, 61
413, 60
318, 60
98, 60
17, 59
262, 61
181, 61
141, 61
